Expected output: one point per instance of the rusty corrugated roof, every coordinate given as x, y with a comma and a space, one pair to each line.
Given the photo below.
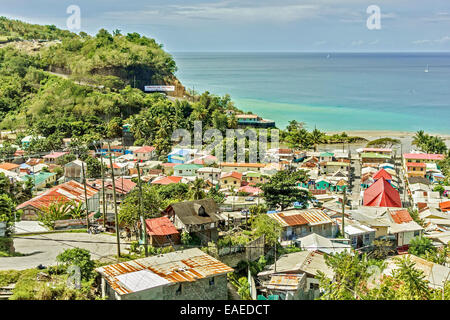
178, 266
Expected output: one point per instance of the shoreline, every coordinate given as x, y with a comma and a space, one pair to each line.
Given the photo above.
375, 134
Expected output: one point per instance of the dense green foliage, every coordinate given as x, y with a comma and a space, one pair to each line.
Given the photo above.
80, 258
383, 143
281, 189
18, 30
296, 136
357, 277
429, 144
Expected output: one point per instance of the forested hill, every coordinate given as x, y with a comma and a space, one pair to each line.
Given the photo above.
112, 60
58, 84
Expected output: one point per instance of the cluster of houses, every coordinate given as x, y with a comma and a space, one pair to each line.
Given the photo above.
330, 223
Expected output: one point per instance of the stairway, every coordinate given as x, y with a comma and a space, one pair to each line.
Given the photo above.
6, 292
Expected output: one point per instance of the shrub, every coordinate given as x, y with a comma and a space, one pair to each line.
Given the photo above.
80, 258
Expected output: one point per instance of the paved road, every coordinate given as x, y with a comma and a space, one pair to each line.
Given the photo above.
43, 248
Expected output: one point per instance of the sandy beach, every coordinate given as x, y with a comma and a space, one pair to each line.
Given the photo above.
405, 138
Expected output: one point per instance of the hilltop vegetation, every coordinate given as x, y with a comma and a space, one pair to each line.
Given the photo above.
11, 30
94, 95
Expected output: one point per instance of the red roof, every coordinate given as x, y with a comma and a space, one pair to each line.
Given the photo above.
445, 206
160, 227
423, 156
9, 166
65, 192
145, 149
401, 216
251, 190
293, 220
381, 194
123, 186
232, 174
55, 155
169, 164
415, 164
167, 180
382, 174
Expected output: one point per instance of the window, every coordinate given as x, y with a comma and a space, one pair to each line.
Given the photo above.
211, 281
416, 233
314, 286
178, 291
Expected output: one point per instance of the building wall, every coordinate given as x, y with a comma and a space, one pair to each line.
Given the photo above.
230, 181
197, 290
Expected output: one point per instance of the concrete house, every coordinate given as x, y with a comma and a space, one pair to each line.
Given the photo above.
183, 170
230, 179
73, 171
209, 174
12, 167
69, 191
359, 234
52, 158
241, 167
161, 232
199, 218
303, 262
331, 167
180, 275
145, 153
403, 226
42, 179
300, 223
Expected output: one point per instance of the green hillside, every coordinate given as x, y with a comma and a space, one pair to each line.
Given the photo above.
86, 87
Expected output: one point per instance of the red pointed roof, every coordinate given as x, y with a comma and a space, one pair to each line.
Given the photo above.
382, 194
382, 174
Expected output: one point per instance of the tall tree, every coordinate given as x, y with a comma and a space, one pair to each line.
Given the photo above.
282, 189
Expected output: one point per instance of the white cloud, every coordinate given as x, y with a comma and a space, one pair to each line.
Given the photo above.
357, 43
433, 42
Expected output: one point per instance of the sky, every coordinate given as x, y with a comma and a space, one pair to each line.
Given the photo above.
256, 25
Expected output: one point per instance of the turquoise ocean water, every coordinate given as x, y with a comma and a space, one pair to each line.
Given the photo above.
345, 91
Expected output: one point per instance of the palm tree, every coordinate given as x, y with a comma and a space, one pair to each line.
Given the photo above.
419, 139
197, 189
316, 137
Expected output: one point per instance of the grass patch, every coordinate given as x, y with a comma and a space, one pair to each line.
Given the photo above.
9, 276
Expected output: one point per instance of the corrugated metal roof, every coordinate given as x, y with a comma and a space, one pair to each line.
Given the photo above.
178, 266
301, 217
161, 226
71, 190
289, 282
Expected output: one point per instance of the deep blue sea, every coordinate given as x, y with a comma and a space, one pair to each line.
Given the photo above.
345, 91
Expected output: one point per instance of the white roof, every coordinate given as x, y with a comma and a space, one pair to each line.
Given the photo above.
357, 229
141, 280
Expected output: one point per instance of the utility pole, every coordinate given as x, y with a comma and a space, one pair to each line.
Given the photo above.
115, 201
85, 195
103, 191
344, 200
141, 211
275, 261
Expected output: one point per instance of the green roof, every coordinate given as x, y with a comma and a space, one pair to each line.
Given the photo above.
327, 154
337, 163
253, 174
375, 155
188, 166
40, 177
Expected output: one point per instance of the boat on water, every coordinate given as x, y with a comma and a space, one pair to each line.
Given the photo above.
427, 69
